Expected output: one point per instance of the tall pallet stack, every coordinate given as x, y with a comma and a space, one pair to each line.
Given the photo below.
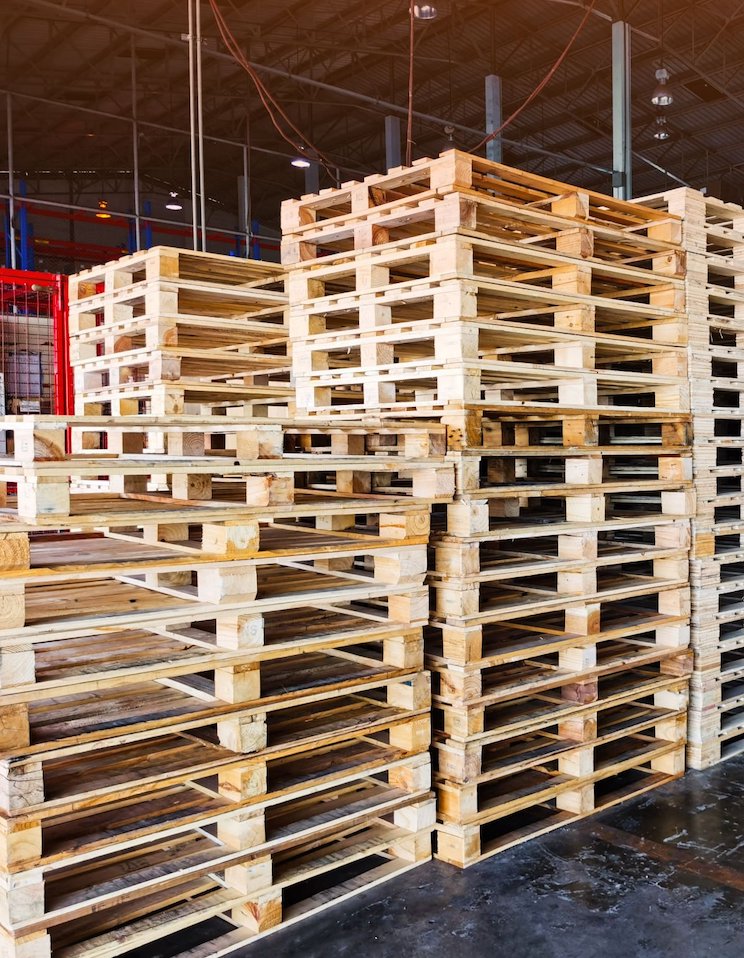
545, 327
212, 693
169, 331
714, 244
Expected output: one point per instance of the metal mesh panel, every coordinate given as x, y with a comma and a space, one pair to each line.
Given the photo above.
33, 347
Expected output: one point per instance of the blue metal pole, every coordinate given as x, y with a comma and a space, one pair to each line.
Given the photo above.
25, 256
6, 230
147, 206
256, 242
31, 250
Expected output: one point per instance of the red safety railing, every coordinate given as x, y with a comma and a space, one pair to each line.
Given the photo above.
34, 343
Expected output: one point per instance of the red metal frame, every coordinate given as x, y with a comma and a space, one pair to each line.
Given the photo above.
17, 286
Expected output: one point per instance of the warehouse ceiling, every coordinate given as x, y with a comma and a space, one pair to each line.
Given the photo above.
339, 66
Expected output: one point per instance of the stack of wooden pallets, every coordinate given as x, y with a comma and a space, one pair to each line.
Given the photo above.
544, 326
713, 234
212, 692
168, 331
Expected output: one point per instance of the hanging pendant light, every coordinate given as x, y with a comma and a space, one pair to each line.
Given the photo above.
424, 11
103, 213
662, 95
173, 203
662, 131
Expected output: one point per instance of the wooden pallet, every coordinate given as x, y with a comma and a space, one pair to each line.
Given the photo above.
454, 266
607, 671
211, 680
182, 365
473, 604
169, 264
475, 687
457, 647
50, 840
309, 878
236, 437
55, 702
165, 330
426, 387
713, 239
438, 361
539, 801
95, 906
488, 759
522, 766
223, 535
174, 399
482, 664
134, 603
191, 473
96, 838
458, 189
547, 330
716, 691
455, 358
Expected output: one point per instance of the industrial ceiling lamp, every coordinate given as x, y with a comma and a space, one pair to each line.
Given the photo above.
300, 162
103, 213
662, 131
416, 11
662, 95
173, 203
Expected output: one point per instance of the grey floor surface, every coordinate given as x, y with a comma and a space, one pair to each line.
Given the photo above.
661, 877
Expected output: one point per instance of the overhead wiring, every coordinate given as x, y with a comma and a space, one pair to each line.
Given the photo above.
542, 84
276, 113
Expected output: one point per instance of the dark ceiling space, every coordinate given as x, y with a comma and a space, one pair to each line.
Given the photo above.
84, 54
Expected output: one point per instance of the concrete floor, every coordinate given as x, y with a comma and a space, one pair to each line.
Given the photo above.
661, 877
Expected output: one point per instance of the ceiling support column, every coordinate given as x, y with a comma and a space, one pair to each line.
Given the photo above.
193, 130
622, 137
493, 117
393, 156
135, 147
312, 178
200, 119
11, 184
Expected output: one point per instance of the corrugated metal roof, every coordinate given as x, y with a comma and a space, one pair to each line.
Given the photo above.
363, 47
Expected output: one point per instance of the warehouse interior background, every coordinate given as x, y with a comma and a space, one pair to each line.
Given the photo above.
97, 107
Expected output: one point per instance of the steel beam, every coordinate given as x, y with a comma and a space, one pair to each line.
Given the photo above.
494, 149
135, 146
393, 156
622, 138
200, 119
244, 198
192, 129
11, 184
312, 178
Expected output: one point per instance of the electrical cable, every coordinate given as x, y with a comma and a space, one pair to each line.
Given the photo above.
266, 97
409, 119
302, 145
541, 85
